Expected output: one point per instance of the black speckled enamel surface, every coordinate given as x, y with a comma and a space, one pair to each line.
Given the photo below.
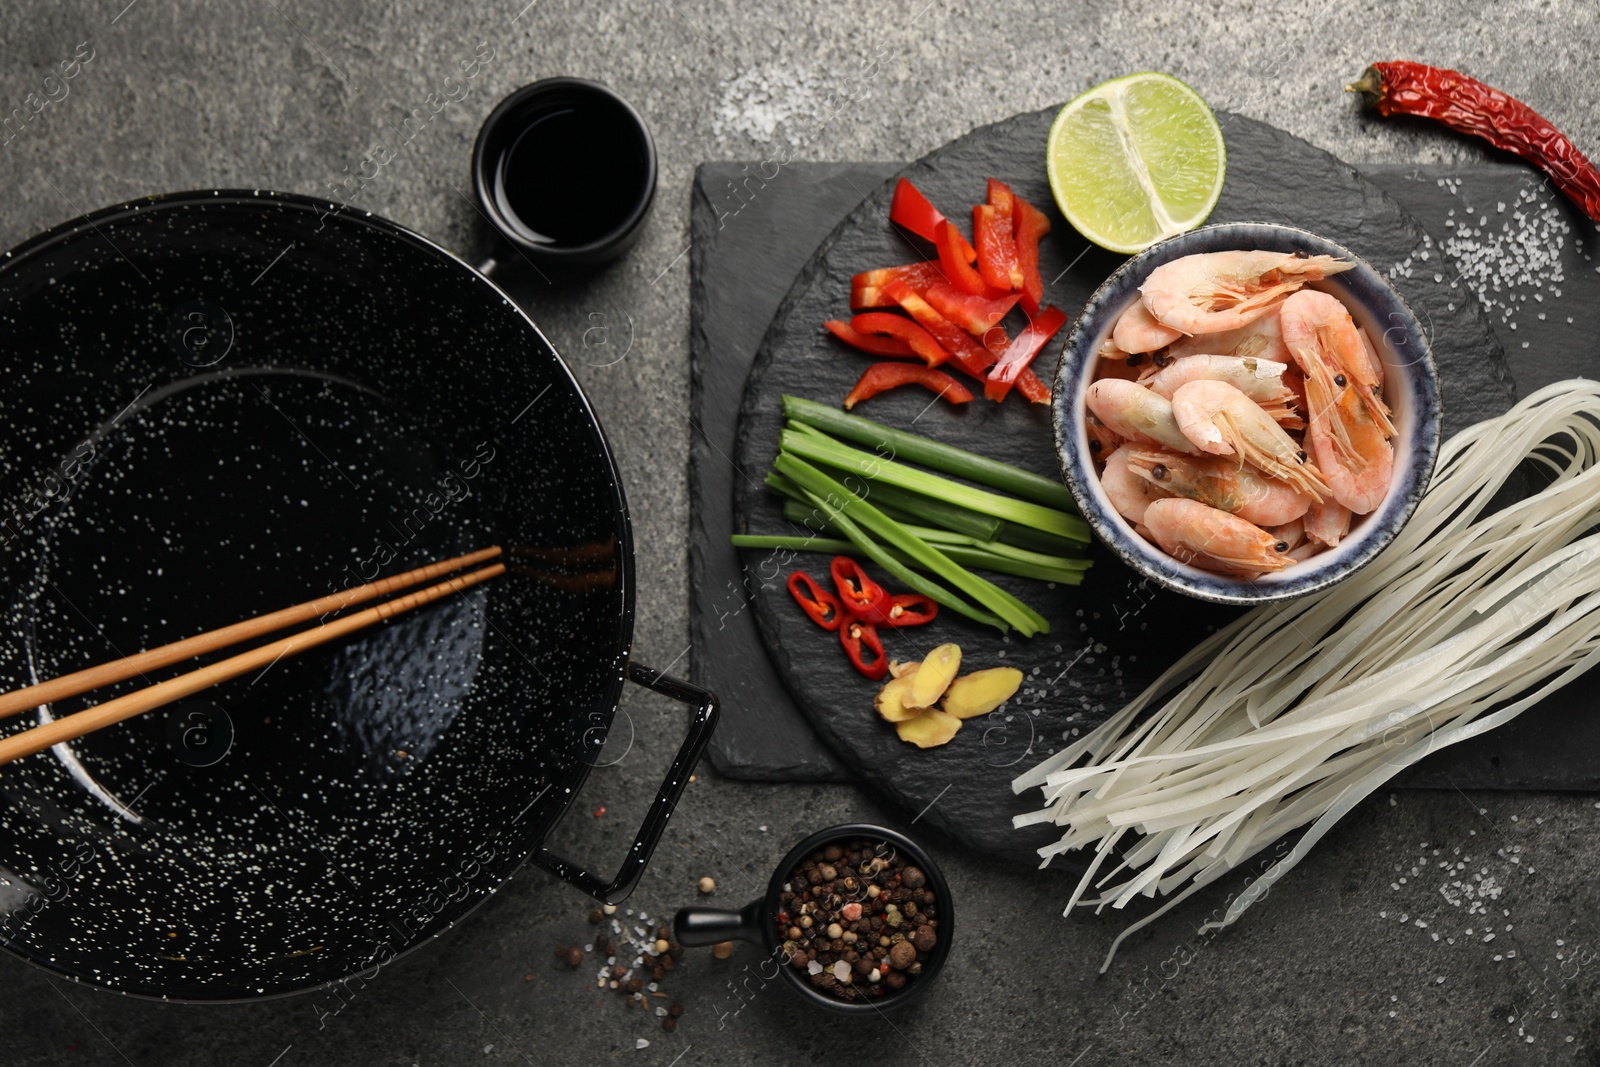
218, 404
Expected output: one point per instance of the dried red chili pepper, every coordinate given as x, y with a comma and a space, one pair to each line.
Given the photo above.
910, 609
1469, 106
857, 636
861, 596
816, 602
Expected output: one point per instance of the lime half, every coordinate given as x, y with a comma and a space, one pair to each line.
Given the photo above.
1135, 160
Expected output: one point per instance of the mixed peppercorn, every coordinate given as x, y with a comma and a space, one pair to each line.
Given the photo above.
862, 605
858, 919
652, 955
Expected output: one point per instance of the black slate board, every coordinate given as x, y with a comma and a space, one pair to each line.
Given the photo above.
766, 227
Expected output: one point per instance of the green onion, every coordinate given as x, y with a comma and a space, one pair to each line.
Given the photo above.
917, 449
907, 505
967, 555
1023, 512
827, 545
970, 556
1039, 541
819, 486
797, 512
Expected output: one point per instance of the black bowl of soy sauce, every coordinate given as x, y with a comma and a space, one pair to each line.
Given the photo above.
565, 169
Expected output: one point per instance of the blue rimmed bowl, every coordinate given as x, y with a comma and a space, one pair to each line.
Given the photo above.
1411, 387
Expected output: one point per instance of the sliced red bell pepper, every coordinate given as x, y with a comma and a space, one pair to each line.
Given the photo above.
910, 609
862, 597
1031, 388
913, 211
1022, 351
884, 324
866, 288
819, 604
975, 314
955, 262
997, 248
1029, 224
881, 377
858, 637
966, 353
876, 344
1004, 202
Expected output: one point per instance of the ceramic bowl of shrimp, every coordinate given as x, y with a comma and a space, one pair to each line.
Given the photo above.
1247, 413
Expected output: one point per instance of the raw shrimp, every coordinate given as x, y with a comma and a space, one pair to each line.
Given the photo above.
1327, 523
1216, 291
1195, 533
1102, 441
1262, 338
1129, 493
1134, 412
1113, 362
1292, 534
1225, 483
1138, 331
1223, 421
1374, 364
1350, 427
1259, 379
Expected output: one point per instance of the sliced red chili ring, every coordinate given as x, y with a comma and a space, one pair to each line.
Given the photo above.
857, 637
910, 609
862, 597
818, 604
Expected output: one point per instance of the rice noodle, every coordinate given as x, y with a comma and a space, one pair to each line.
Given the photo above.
1293, 714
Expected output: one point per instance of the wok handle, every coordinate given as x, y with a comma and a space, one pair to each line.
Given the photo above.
701, 724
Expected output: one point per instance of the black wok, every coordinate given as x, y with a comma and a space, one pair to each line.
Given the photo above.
217, 404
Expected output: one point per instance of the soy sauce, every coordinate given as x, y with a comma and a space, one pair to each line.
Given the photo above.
574, 174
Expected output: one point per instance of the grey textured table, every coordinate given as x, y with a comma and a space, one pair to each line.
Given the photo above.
1375, 950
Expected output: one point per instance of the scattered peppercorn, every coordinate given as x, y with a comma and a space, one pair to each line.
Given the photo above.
595, 916
708, 885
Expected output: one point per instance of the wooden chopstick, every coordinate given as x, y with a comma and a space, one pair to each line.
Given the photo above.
79, 682
71, 727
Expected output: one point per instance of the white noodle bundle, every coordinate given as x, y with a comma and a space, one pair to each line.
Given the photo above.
1297, 712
